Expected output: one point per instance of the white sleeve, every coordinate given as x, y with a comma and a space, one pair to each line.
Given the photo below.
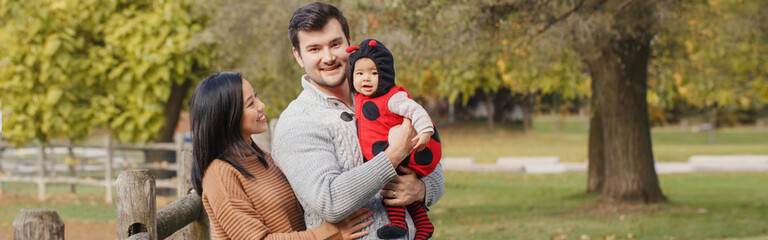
401, 105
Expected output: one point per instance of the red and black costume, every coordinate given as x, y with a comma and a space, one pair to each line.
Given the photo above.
374, 120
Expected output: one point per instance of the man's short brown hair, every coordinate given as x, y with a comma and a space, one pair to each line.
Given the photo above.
312, 17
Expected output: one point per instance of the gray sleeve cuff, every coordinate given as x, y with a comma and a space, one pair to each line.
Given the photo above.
434, 186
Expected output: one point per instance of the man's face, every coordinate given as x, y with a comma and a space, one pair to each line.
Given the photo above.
323, 55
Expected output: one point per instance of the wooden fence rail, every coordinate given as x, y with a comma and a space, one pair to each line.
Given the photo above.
136, 215
42, 178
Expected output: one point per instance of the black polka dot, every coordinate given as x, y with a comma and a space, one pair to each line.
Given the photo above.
423, 157
378, 147
371, 111
346, 116
435, 136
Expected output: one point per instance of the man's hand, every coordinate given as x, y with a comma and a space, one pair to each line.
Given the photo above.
404, 189
399, 144
421, 140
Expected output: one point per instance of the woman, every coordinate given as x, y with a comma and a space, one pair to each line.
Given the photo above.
245, 195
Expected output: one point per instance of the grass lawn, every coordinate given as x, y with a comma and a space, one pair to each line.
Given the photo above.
670, 144
508, 206
519, 206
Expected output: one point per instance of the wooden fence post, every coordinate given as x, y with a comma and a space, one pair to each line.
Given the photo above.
38, 224
198, 229
2, 171
136, 207
41, 173
108, 170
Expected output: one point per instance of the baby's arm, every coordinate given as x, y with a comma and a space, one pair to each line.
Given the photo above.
401, 105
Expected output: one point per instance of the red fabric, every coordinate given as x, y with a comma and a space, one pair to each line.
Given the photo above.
370, 132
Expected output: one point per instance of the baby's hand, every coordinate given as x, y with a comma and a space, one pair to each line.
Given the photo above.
421, 140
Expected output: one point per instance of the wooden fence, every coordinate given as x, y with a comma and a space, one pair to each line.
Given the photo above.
136, 214
42, 178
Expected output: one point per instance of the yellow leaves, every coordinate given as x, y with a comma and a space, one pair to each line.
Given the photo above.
53, 96
520, 52
501, 65
52, 43
58, 5
688, 46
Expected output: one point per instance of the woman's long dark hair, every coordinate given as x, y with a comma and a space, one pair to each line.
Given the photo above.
215, 111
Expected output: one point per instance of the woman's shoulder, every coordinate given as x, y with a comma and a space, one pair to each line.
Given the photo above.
219, 166
219, 170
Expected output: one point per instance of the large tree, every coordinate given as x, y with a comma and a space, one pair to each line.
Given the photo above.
613, 39
69, 66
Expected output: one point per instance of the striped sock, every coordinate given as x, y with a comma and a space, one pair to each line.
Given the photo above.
424, 227
397, 226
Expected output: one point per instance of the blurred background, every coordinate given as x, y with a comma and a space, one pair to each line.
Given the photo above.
560, 119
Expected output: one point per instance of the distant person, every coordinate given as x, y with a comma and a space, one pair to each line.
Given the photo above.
380, 104
315, 142
245, 195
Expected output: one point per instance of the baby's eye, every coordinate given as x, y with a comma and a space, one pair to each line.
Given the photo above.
375, 73
358, 73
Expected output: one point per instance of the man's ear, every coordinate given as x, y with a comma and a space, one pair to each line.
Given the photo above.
297, 56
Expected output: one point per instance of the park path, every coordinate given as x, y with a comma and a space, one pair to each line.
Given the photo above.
552, 164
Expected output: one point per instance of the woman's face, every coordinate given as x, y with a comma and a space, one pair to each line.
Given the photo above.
254, 121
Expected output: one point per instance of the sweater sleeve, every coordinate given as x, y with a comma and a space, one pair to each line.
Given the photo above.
401, 105
304, 149
434, 185
239, 219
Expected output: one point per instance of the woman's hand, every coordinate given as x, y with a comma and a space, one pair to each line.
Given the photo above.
353, 223
404, 189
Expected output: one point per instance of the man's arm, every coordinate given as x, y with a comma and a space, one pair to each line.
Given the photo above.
305, 152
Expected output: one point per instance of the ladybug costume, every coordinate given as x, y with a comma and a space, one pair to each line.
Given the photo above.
374, 119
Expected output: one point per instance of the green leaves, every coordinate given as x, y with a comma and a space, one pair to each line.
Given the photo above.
72, 66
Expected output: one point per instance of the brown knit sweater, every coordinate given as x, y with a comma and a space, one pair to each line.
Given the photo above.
262, 207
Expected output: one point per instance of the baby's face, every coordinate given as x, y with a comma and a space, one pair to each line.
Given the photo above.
365, 77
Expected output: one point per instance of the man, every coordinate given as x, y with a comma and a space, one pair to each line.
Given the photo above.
316, 142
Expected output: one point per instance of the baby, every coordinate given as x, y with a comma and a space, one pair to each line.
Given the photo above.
381, 105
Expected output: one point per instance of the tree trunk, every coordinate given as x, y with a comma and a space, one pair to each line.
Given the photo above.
172, 109
527, 113
451, 112
596, 156
556, 113
2, 150
491, 108
171, 114
712, 125
71, 166
621, 73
